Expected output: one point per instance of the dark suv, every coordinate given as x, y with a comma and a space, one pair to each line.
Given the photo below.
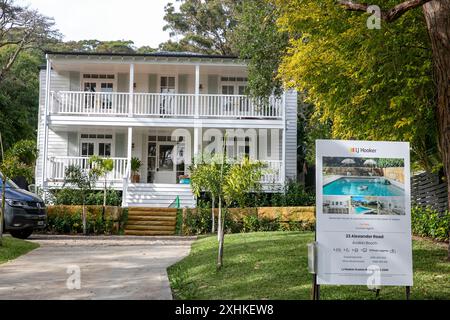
24, 211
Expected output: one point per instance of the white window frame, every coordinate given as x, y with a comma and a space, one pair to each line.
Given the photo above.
98, 81
97, 141
167, 75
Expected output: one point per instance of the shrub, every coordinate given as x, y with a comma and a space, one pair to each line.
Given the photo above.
68, 196
197, 222
68, 220
426, 222
295, 195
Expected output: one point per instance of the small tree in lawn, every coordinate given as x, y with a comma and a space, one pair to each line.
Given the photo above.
205, 176
101, 168
240, 179
17, 161
83, 180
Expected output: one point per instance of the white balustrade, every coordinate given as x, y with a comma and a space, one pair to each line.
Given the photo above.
58, 166
272, 172
165, 105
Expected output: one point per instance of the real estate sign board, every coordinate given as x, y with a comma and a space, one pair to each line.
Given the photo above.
363, 213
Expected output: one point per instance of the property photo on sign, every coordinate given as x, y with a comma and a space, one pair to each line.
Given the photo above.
354, 185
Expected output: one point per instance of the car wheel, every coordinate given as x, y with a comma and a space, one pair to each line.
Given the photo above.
21, 234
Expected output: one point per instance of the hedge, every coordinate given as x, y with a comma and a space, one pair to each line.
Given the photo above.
68, 220
199, 221
426, 222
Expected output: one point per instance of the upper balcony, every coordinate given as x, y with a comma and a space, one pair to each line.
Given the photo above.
155, 89
143, 105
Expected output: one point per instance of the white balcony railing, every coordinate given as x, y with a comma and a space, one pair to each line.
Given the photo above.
58, 166
165, 105
272, 173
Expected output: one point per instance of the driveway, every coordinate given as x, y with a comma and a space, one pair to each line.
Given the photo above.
102, 267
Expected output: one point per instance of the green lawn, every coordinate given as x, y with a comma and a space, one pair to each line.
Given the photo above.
13, 248
273, 265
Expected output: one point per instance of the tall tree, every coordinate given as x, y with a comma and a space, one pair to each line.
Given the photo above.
19, 93
390, 83
206, 26
258, 40
22, 29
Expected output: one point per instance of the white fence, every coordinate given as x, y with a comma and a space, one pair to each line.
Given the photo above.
165, 105
58, 166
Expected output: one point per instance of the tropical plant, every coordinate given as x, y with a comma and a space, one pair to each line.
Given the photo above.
135, 165
205, 177
101, 167
83, 180
17, 161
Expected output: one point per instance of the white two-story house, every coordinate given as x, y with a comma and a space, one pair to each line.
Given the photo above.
164, 109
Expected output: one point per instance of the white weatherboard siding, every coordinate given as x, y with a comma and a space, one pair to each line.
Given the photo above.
291, 135
57, 143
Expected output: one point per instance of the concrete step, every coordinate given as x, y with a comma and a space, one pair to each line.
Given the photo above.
149, 233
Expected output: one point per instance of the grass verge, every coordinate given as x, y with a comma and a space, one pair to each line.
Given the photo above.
13, 248
273, 265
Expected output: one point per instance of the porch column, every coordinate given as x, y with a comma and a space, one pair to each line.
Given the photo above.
283, 145
131, 91
197, 91
129, 152
46, 114
197, 138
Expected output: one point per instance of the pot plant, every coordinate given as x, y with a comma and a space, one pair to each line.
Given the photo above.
135, 167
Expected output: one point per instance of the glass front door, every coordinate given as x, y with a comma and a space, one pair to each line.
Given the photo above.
161, 162
165, 171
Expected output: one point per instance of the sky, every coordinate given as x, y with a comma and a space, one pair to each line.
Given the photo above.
138, 20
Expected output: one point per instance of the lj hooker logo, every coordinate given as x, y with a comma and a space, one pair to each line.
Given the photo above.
363, 150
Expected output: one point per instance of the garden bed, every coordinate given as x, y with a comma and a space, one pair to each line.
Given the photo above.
64, 219
199, 221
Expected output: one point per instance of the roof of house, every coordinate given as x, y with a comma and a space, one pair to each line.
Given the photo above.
153, 54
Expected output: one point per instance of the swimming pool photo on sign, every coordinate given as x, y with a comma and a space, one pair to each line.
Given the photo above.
352, 176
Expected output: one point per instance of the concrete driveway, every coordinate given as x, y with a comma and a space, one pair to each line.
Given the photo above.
108, 268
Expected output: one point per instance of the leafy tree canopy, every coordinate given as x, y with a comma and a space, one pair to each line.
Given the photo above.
205, 26
365, 84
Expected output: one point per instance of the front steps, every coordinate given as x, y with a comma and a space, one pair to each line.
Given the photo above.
151, 221
159, 195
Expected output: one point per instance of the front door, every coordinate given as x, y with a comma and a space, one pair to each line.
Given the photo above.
165, 172
161, 164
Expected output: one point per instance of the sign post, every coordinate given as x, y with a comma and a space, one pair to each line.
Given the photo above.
363, 228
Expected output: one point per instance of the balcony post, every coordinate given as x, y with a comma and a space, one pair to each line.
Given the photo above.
131, 91
46, 114
197, 91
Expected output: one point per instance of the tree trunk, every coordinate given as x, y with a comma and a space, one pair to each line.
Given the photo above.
2, 213
213, 215
84, 218
437, 16
219, 219
221, 237
104, 201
